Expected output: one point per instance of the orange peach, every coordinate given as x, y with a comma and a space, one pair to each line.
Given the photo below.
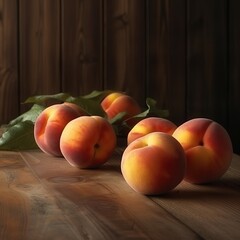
50, 124
118, 102
153, 164
148, 125
77, 108
88, 141
208, 149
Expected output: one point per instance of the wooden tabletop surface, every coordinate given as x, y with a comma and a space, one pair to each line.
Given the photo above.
43, 197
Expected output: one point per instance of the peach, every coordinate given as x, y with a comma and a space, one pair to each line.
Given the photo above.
208, 149
153, 164
77, 108
148, 125
118, 102
88, 141
50, 123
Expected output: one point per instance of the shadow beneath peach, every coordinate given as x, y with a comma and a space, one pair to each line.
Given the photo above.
222, 190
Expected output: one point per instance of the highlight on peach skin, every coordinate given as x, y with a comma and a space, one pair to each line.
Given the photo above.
153, 164
148, 125
50, 124
117, 102
88, 141
208, 149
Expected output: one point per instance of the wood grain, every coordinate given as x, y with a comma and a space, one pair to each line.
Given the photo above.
234, 71
27, 211
39, 48
125, 47
82, 57
9, 99
167, 57
44, 197
182, 53
100, 205
215, 204
207, 80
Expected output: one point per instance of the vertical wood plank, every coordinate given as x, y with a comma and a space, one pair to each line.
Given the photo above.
125, 47
234, 73
81, 46
207, 60
167, 66
39, 29
8, 61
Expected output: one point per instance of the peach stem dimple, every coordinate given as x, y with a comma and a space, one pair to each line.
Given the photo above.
96, 145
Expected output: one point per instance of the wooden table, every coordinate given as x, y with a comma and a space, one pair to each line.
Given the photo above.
43, 197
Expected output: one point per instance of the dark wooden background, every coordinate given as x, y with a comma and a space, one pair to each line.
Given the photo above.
183, 53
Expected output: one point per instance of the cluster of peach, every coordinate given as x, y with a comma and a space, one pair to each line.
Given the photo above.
158, 155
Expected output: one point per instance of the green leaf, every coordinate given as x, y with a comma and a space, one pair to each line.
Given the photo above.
118, 118
48, 99
152, 110
19, 133
88, 105
30, 115
121, 125
98, 96
19, 137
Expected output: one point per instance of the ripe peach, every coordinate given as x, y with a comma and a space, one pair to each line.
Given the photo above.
77, 108
148, 125
88, 141
50, 124
118, 102
208, 149
153, 164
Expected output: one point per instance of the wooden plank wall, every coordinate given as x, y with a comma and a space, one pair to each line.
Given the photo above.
183, 53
